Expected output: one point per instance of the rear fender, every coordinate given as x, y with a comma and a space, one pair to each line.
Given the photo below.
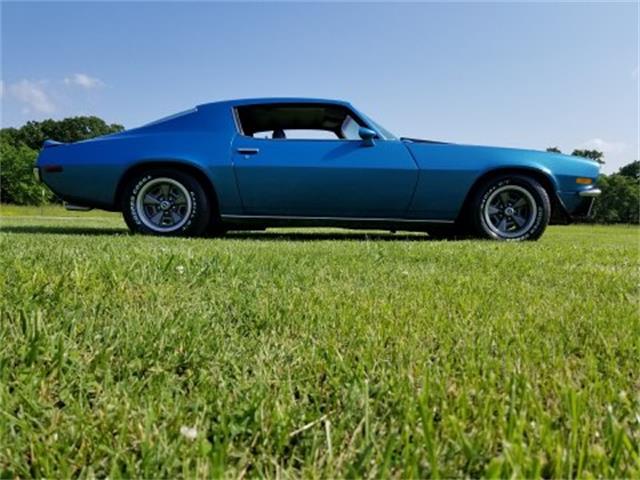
192, 168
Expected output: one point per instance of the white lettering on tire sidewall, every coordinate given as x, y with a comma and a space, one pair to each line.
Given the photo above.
134, 212
534, 227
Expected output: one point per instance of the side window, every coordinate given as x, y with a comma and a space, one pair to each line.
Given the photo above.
306, 134
265, 134
350, 129
299, 122
311, 134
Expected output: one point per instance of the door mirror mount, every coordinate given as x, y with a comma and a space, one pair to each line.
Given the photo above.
368, 136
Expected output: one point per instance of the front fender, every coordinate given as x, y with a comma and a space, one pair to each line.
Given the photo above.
449, 171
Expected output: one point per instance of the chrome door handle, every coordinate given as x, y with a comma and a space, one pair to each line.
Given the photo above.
248, 151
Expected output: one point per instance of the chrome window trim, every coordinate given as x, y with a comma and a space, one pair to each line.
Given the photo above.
289, 140
355, 115
236, 121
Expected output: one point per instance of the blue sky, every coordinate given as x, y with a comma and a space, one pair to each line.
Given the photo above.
513, 74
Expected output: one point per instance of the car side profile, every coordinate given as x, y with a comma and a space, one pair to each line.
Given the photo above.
259, 163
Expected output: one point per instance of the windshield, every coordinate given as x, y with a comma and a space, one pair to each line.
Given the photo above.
385, 133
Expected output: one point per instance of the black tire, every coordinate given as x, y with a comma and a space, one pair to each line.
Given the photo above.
511, 208
185, 200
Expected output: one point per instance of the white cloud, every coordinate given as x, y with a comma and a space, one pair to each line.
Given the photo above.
1, 89
33, 95
616, 154
634, 72
604, 146
83, 80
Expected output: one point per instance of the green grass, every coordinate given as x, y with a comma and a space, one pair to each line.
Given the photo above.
316, 353
53, 212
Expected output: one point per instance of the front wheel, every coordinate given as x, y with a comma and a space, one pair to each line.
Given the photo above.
512, 208
165, 202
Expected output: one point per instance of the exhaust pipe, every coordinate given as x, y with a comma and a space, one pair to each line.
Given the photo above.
76, 208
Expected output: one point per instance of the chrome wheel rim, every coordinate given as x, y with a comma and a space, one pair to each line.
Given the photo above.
510, 211
163, 205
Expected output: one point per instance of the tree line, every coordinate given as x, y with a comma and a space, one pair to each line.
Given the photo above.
19, 147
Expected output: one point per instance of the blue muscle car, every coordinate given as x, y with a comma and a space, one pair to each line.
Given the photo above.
250, 164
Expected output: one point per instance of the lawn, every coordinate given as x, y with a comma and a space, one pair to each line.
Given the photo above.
315, 353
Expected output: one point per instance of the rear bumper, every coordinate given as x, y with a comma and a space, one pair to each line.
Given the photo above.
61, 180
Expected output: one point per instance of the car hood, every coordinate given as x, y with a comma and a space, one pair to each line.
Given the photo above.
421, 140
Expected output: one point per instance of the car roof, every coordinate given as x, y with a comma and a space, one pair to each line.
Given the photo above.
275, 100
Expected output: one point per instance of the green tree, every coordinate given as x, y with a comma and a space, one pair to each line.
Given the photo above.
620, 200
631, 170
17, 184
554, 150
68, 130
592, 154
10, 136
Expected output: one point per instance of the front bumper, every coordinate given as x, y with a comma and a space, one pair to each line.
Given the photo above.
591, 193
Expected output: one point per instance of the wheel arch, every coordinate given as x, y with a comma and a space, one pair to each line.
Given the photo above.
181, 165
545, 179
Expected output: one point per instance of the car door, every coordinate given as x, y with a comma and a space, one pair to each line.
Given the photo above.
324, 178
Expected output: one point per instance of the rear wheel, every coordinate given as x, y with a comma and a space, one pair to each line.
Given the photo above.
511, 207
165, 202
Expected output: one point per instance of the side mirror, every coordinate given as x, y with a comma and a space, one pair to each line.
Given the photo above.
367, 135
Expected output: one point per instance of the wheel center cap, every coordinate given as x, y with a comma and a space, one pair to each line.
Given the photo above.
165, 205
509, 211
